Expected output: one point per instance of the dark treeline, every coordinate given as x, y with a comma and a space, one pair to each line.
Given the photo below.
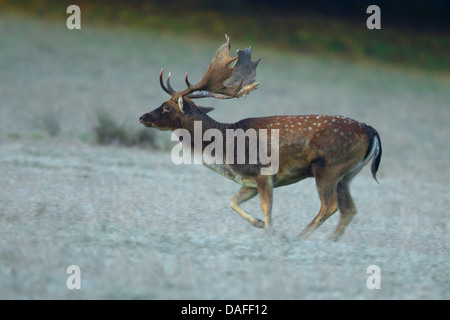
414, 14
423, 15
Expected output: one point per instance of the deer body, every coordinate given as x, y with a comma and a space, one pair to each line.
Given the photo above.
331, 149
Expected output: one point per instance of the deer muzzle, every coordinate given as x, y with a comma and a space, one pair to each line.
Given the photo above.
145, 120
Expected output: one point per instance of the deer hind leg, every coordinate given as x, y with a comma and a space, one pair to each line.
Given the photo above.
346, 205
329, 205
244, 194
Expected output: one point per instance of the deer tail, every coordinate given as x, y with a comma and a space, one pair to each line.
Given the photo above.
374, 152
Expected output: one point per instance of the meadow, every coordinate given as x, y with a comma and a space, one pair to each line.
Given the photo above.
141, 227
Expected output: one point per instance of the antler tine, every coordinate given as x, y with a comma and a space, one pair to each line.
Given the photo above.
168, 83
170, 90
187, 81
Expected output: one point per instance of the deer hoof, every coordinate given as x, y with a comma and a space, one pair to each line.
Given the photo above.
259, 224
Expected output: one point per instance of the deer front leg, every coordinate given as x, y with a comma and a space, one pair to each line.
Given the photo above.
265, 189
244, 194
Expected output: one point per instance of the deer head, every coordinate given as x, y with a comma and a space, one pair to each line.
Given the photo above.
221, 80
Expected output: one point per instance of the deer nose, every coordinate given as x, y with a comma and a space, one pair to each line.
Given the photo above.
145, 119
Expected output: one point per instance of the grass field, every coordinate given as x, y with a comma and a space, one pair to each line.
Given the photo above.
140, 227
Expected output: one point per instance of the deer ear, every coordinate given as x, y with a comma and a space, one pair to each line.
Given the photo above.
205, 109
180, 103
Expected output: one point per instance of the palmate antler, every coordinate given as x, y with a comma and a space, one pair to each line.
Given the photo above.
221, 80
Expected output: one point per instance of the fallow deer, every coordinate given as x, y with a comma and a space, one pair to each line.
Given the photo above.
332, 149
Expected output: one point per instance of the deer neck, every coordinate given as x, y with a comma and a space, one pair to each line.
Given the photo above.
204, 122
201, 130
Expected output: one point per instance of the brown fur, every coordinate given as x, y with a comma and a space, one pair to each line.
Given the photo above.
327, 148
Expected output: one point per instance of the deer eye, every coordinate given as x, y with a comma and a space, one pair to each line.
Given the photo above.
166, 108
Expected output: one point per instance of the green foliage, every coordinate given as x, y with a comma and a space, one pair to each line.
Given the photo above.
108, 131
14, 135
36, 136
50, 124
